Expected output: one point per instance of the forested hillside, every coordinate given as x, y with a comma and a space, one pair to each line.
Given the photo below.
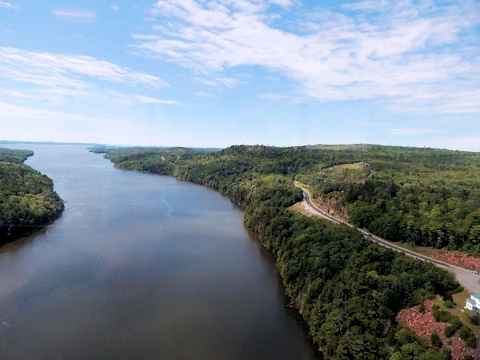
421, 196
426, 197
27, 199
14, 156
347, 288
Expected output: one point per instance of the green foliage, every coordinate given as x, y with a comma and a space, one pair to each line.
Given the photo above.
418, 351
27, 199
449, 304
421, 196
347, 288
442, 315
450, 331
456, 323
474, 319
468, 357
467, 335
435, 340
14, 156
464, 332
405, 336
421, 307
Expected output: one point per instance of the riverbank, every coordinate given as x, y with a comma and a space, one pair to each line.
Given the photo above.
27, 199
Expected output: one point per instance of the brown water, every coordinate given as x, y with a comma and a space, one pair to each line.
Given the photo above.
140, 267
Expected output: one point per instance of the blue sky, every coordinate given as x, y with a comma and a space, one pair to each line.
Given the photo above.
221, 72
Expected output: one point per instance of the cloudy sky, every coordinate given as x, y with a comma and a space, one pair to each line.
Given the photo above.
221, 72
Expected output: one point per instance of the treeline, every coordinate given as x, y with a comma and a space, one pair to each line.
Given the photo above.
14, 156
27, 199
425, 197
347, 288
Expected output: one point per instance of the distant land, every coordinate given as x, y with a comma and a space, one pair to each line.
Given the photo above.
109, 146
44, 142
357, 147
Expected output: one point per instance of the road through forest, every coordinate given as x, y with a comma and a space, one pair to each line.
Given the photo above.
467, 278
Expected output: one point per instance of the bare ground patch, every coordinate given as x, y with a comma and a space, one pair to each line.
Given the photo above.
424, 324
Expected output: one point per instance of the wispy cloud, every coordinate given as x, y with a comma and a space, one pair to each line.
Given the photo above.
7, 5
282, 3
15, 93
57, 77
115, 7
203, 95
74, 13
150, 100
412, 131
273, 97
417, 53
227, 82
78, 127
10, 111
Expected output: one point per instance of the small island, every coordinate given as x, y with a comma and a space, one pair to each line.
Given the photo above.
27, 199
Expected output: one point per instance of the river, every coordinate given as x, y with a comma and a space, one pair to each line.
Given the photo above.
140, 266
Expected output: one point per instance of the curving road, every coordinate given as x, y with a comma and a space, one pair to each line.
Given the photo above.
467, 278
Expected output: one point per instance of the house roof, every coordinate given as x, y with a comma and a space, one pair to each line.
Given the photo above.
477, 296
470, 301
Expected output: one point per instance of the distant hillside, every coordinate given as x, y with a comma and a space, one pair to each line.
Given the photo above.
422, 196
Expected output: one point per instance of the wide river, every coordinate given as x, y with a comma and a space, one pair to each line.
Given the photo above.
140, 266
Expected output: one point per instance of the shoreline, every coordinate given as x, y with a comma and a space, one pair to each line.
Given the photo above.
49, 207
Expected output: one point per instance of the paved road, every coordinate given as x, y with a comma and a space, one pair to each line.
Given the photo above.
467, 278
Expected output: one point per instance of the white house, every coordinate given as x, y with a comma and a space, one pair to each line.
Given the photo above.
473, 303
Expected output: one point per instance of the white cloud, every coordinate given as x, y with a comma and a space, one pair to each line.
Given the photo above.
203, 94
273, 97
74, 13
115, 7
372, 5
57, 77
420, 54
7, 5
150, 100
412, 131
219, 82
15, 93
282, 3
10, 111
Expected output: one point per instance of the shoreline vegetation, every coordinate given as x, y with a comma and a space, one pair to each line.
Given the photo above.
27, 199
347, 289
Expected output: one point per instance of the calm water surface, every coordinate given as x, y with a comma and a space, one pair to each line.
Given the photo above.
140, 267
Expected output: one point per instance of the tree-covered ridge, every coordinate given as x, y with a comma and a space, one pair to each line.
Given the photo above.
347, 288
420, 196
14, 156
27, 199
426, 197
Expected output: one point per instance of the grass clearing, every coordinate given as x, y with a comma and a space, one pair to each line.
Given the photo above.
349, 166
460, 311
299, 208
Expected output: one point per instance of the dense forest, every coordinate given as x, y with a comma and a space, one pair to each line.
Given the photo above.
27, 199
425, 197
347, 288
